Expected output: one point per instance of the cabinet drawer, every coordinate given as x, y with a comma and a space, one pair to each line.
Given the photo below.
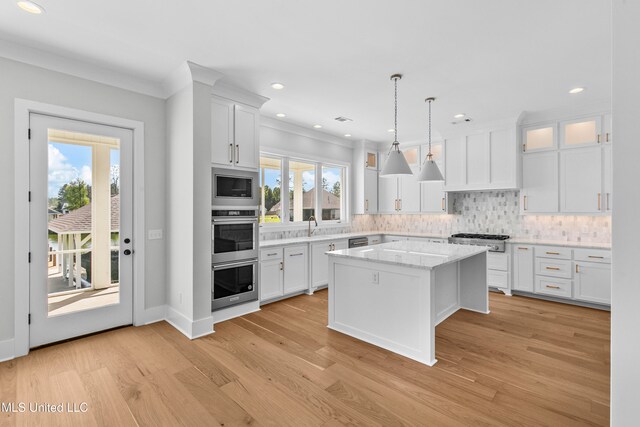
497, 279
592, 255
498, 261
552, 286
553, 252
374, 240
270, 254
553, 267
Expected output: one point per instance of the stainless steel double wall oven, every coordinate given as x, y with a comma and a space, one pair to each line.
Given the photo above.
234, 237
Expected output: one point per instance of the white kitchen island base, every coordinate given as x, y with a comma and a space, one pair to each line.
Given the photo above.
395, 298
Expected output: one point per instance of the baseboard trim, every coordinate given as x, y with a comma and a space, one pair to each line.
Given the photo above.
154, 314
7, 350
235, 311
179, 321
202, 327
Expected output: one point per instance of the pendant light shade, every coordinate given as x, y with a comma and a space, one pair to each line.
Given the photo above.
430, 170
395, 165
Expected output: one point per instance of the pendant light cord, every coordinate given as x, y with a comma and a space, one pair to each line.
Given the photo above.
430, 156
395, 122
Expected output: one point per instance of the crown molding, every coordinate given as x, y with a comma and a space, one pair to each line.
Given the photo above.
234, 93
187, 73
81, 69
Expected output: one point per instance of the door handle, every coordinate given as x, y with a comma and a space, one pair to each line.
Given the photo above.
237, 153
127, 252
230, 153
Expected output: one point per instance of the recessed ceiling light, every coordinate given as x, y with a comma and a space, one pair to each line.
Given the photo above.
317, 126
459, 116
347, 135
277, 86
31, 7
281, 115
576, 90
391, 130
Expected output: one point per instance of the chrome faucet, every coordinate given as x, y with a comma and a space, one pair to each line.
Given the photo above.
309, 221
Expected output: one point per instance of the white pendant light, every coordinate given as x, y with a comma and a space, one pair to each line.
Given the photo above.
395, 165
430, 170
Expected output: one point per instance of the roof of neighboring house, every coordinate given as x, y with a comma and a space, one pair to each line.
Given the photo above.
329, 201
79, 220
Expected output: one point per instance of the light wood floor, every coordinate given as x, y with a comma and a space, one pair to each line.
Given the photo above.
529, 362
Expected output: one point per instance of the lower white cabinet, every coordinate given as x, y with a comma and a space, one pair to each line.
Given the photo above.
523, 268
593, 282
320, 260
283, 271
374, 240
498, 271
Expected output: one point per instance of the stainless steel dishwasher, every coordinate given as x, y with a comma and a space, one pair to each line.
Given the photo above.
357, 242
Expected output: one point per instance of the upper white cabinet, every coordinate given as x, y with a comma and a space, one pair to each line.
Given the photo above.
401, 194
581, 132
486, 160
539, 192
365, 170
433, 198
581, 180
573, 176
234, 134
539, 137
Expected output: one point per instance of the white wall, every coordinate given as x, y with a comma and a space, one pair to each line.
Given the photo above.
625, 305
18, 80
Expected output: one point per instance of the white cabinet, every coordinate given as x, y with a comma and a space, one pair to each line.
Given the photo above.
486, 160
581, 180
370, 191
283, 271
607, 129
593, 282
498, 271
271, 277
539, 183
374, 240
401, 194
581, 132
387, 195
320, 261
607, 179
523, 273
295, 269
539, 137
433, 198
234, 134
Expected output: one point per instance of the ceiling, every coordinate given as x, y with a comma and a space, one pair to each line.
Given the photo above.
489, 59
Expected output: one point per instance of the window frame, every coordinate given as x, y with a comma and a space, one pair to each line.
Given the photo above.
345, 205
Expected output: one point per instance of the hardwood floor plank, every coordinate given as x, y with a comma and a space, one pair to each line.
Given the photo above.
107, 404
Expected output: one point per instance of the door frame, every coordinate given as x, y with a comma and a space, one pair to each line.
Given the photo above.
23, 108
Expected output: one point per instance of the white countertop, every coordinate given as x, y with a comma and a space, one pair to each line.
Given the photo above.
424, 255
583, 245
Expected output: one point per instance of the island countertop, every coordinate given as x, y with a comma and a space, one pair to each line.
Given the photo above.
423, 255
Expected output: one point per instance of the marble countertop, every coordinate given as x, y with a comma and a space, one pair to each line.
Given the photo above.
513, 240
582, 245
423, 255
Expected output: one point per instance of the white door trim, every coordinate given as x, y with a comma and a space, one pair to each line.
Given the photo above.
21, 205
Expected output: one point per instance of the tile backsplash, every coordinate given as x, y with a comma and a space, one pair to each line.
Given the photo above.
494, 212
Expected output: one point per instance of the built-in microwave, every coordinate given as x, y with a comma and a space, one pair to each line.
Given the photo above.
232, 187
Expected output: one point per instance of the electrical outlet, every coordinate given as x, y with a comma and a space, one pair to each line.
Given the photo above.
155, 234
376, 278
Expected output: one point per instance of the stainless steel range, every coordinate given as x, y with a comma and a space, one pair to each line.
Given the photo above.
496, 242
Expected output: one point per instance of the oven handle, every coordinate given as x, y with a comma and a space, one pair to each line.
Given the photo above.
251, 220
234, 264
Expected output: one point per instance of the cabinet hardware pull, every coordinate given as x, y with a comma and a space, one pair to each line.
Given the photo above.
297, 254
553, 253
237, 153
230, 153
599, 138
399, 204
524, 147
524, 198
443, 203
275, 253
524, 249
599, 197
334, 246
366, 205
577, 268
596, 257
281, 265
553, 287
606, 137
552, 268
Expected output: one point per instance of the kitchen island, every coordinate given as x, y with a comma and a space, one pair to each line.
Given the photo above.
393, 295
